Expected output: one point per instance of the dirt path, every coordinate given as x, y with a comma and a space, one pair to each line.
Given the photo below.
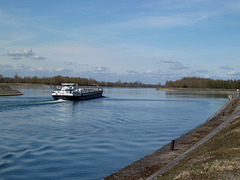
163, 159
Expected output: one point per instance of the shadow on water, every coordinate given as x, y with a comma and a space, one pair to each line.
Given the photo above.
25, 102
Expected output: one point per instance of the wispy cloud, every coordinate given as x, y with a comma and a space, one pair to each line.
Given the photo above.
168, 61
234, 73
24, 67
201, 71
23, 70
5, 67
70, 63
175, 64
132, 72
226, 67
193, 5
179, 66
37, 57
162, 22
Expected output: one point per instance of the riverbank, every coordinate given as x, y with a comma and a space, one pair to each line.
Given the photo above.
160, 161
25, 85
197, 90
218, 158
8, 91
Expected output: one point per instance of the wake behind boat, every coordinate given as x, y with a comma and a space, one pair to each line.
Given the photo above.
69, 91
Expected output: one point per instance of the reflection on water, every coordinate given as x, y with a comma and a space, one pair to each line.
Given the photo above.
48, 139
196, 94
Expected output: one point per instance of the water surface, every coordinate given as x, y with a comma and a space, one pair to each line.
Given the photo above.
46, 139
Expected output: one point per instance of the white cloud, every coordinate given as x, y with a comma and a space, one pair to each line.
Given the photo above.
101, 69
21, 53
60, 69
24, 53
40, 69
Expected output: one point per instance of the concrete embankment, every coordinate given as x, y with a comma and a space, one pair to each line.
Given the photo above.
158, 162
8, 91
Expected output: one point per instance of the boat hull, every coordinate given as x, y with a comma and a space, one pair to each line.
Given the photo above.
78, 98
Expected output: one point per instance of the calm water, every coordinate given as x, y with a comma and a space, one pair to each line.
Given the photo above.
41, 138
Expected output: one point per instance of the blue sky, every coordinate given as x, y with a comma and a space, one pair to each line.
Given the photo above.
129, 40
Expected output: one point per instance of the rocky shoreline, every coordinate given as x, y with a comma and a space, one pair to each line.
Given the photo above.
158, 162
8, 91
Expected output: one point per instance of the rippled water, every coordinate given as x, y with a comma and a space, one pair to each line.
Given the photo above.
41, 138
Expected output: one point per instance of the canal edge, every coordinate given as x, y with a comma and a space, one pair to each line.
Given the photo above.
163, 159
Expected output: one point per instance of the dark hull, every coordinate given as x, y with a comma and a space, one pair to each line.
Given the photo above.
79, 98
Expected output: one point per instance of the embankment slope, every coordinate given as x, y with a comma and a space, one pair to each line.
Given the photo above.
218, 158
158, 162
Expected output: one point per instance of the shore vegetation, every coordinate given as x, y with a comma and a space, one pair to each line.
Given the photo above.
190, 83
196, 82
57, 80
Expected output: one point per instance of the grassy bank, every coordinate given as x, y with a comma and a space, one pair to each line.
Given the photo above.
218, 158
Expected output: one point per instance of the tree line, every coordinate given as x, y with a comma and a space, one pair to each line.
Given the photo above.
186, 82
196, 82
57, 80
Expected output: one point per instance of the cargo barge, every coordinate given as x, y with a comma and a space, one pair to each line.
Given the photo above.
69, 91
